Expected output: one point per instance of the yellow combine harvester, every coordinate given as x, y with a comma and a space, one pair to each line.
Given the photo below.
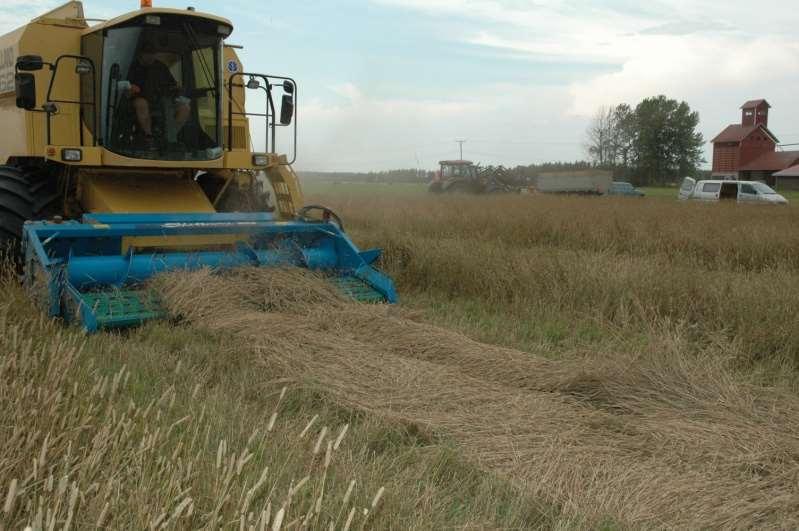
128, 152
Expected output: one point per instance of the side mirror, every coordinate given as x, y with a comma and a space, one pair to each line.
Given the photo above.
288, 87
25, 88
286, 109
29, 63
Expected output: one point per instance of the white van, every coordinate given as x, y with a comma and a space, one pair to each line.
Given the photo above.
740, 191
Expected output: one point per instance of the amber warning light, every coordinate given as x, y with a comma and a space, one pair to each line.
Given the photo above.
146, 3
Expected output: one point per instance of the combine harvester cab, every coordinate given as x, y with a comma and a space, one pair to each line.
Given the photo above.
111, 196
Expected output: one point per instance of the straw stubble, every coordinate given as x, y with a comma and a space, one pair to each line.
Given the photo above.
651, 438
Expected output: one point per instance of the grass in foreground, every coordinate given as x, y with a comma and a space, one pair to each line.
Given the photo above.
168, 427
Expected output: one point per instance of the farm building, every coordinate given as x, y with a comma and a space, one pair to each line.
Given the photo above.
749, 150
790, 173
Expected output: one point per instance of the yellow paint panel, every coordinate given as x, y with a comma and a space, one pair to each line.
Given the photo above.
286, 185
240, 124
142, 193
70, 13
25, 130
157, 194
113, 159
242, 160
203, 242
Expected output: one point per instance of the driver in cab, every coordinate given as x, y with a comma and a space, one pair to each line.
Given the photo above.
150, 80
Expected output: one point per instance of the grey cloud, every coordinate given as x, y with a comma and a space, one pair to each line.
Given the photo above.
684, 27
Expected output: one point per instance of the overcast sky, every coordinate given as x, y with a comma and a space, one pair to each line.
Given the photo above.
392, 83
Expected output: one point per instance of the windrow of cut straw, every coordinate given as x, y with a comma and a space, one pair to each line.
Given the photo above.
652, 438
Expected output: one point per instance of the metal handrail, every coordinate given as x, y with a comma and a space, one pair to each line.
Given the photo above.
271, 118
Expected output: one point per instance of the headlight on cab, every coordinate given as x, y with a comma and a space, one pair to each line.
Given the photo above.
71, 155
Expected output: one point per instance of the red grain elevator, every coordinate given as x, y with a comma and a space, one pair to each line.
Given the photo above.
748, 151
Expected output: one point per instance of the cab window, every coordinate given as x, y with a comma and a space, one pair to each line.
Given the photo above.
91, 47
711, 187
161, 89
203, 62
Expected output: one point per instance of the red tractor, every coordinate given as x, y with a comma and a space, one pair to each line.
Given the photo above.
463, 176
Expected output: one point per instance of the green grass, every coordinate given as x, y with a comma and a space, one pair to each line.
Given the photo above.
791, 195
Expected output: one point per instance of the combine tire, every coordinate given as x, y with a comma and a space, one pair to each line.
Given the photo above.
463, 187
24, 195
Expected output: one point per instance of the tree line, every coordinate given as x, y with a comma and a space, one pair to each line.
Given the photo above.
389, 176
519, 174
654, 143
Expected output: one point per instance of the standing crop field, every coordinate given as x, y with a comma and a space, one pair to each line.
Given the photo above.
550, 271
554, 362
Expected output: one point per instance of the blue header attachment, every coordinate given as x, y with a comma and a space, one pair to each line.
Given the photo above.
93, 271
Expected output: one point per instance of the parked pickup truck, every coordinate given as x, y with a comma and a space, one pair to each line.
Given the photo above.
740, 191
593, 182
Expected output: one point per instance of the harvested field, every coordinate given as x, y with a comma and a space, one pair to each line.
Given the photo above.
172, 428
554, 363
657, 439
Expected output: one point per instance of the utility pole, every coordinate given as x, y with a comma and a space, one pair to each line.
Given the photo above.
460, 142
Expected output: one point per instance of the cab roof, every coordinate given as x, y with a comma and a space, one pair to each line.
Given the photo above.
157, 11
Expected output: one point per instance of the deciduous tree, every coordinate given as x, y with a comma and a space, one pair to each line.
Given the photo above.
655, 143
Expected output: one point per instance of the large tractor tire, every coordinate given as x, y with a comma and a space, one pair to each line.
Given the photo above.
25, 194
494, 188
463, 187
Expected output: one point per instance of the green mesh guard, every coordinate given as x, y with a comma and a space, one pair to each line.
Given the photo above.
121, 308
357, 289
